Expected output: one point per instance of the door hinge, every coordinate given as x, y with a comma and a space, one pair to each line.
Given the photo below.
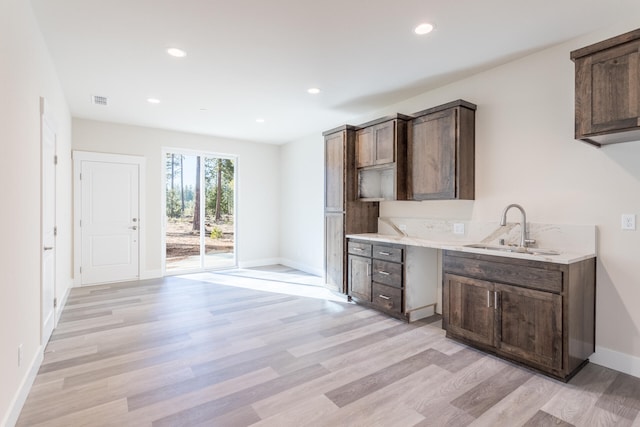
55, 231
55, 302
80, 176
80, 223
80, 270
55, 160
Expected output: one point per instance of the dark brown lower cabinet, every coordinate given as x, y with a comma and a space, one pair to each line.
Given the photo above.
535, 313
360, 277
334, 251
470, 313
376, 276
529, 325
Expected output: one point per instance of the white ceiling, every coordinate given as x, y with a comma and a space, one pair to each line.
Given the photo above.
249, 59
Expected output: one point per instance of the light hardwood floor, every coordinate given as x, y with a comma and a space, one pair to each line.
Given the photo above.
196, 351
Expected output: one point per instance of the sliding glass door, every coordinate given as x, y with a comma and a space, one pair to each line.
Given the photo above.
199, 205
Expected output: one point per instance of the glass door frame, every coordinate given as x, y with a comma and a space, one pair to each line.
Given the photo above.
163, 200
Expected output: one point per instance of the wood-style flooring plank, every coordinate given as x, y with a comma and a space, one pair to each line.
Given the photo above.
492, 390
217, 349
217, 407
110, 413
387, 375
520, 406
388, 351
215, 392
429, 400
312, 410
573, 402
622, 397
351, 369
543, 419
202, 380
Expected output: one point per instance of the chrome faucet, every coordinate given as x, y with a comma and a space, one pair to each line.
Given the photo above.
524, 239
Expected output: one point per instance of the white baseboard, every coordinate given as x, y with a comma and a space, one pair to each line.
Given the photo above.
302, 267
151, 274
23, 391
615, 360
148, 274
61, 304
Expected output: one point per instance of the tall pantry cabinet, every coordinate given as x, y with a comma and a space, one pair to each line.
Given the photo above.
343, 213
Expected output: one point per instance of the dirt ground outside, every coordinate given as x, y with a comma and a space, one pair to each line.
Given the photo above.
183, 242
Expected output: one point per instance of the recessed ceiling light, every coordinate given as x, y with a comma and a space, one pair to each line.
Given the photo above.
178, 53
260, 120
153, 100
422, 29
313, 91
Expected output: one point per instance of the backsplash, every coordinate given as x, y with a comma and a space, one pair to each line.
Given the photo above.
561, 237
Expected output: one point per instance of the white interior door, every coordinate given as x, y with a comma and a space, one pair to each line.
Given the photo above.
48, 218
110, 222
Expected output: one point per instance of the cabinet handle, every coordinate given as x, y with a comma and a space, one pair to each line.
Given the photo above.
384, 273
368, 269
385, 253
357, 249
495, 300
488, 299
384, 297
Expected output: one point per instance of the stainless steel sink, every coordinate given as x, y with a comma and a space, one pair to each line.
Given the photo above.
517, 249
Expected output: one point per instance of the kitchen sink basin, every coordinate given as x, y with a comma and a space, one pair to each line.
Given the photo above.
517, 249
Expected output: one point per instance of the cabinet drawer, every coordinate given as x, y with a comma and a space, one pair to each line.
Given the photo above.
387, 253
387, 297
515, 274
388, 273
361, 249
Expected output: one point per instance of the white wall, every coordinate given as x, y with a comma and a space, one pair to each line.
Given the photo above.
258, 183
26, 73
302, 211
525, 153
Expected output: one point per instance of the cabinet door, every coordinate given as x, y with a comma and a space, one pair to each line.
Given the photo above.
384, 136
334, 174
608, 90
360, 277
432, 156
530, 325
334, 251
365, 147
468, 309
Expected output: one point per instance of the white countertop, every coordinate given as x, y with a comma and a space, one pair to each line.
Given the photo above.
565, 257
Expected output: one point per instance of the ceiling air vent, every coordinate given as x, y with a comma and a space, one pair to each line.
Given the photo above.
100, 100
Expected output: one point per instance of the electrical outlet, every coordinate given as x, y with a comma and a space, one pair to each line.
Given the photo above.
19, 355
628, 221
458, 228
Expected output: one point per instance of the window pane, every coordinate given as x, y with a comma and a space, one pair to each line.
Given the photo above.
182, 214
219, 213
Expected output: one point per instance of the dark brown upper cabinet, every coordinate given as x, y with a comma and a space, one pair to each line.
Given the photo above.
381, 158
376, 144
607, 92
441, 152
